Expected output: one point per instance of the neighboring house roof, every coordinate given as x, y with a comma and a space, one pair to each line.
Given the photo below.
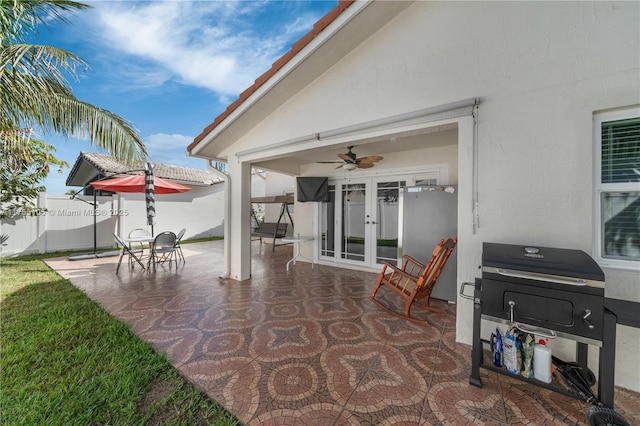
277, 65
89, 165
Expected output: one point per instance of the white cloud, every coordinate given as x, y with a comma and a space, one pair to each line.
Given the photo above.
171, 149
161, 142
219, 45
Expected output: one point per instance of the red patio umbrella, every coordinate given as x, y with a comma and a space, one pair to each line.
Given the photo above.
147, 184
137, 183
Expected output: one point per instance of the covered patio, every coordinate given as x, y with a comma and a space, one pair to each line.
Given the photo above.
309, 347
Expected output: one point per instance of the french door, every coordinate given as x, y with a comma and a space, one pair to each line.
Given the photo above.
360, 223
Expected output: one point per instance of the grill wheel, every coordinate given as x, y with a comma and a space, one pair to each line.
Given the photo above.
605, 416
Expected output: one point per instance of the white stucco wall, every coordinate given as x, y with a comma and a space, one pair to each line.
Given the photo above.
540, 69
69, 224
200, 211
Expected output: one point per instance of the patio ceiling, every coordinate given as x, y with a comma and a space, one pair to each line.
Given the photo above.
293, 162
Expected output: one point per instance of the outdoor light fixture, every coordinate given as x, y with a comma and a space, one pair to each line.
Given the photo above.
350, 166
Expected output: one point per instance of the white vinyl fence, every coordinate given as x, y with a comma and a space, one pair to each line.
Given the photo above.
69, 224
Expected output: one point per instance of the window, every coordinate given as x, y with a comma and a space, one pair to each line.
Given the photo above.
617, 182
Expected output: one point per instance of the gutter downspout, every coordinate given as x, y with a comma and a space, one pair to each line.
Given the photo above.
227, 216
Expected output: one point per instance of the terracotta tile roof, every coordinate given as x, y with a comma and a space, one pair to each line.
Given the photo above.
277, 65
108, 165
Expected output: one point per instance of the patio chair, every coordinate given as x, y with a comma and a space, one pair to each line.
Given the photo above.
414, 281
137, 233
133, 253
178, 239
163, 249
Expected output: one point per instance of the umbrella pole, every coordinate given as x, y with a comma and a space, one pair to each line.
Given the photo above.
95, 253
95, 223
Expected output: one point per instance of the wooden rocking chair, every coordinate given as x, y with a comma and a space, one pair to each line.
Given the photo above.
415, 281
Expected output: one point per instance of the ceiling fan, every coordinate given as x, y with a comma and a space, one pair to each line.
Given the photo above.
350, 161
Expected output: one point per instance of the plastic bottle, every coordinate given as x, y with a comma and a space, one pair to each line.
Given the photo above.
542, 362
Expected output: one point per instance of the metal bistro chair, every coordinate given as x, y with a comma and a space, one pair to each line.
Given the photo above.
163, 248
132, 253
178, 239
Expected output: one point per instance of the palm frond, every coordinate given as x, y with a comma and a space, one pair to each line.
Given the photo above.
34, 90
49, 62
20, 17
105, 130
29, 101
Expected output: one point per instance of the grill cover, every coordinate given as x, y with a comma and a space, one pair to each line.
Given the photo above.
542, 260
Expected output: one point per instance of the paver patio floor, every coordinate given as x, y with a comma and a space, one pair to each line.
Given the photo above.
309, 347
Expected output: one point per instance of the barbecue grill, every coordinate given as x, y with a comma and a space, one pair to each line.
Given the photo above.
547, 292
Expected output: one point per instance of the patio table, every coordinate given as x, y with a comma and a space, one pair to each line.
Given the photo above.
141, 240
146, 239
296, 240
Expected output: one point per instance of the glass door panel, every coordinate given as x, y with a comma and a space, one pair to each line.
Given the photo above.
328, 225
353, 230
386, 220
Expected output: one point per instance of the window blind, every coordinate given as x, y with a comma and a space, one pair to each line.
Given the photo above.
621, 214
621, 151
620, 161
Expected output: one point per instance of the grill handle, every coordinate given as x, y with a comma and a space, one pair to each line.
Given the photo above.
540, 277
549, 334
512, 314
462, 293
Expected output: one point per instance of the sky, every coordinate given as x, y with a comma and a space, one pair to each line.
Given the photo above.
171, 67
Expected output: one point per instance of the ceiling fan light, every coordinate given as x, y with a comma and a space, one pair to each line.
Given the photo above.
350, 166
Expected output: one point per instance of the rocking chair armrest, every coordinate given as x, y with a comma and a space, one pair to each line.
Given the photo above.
412, 260
401, 272
386, 265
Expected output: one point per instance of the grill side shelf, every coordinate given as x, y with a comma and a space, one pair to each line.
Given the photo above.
504, 372
551, 387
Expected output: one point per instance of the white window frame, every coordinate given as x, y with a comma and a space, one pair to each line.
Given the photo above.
600, 188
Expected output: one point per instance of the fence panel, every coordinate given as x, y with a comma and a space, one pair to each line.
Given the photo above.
66, 225
69, 224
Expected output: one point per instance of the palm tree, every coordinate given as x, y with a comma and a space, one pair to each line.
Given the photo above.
34, 92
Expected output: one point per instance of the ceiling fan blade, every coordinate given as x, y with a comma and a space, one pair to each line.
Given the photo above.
347, 158
329, 162
364, 165
370, 159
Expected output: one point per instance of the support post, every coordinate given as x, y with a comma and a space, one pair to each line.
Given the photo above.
607, 368
476, 350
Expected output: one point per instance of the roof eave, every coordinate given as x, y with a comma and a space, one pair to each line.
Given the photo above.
323, 30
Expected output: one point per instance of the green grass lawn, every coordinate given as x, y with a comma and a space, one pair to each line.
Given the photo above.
66, 361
